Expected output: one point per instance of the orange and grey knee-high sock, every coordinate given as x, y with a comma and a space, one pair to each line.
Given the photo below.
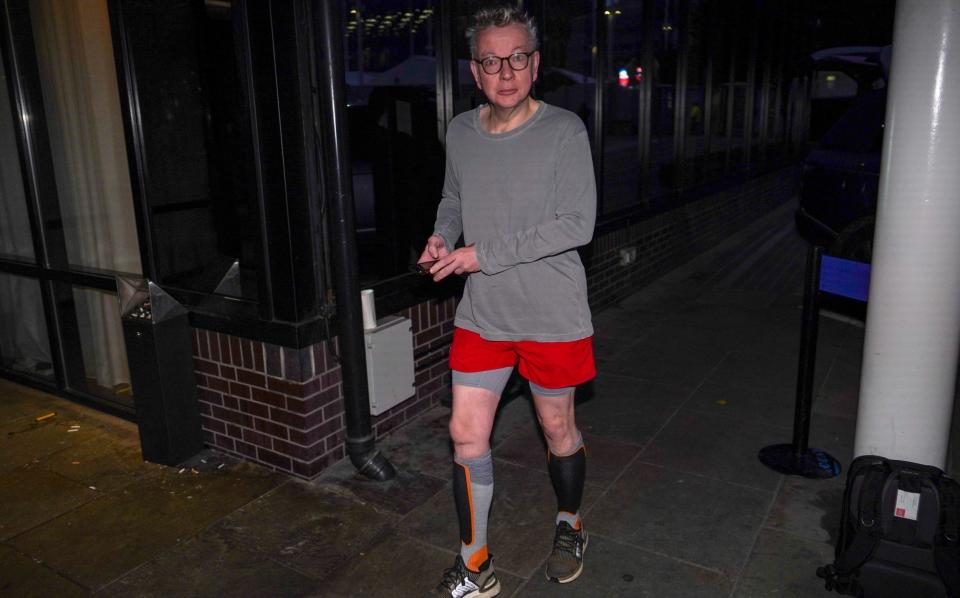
567, 474
473, 493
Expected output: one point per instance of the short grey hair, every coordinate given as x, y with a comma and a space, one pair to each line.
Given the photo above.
500, 16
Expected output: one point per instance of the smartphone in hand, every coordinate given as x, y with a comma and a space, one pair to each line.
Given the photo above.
423, 268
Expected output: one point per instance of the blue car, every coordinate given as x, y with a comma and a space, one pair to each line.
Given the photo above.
839, 184
840, 181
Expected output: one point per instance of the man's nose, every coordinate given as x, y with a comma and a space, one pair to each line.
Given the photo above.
507, 72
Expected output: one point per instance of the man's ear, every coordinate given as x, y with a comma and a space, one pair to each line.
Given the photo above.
536, 64
475, 70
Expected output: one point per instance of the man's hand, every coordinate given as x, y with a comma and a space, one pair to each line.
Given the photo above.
436, 248
460, 261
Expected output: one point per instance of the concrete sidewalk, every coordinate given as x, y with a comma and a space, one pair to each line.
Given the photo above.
697, 373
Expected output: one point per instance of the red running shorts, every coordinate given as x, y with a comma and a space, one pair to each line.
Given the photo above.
548, 364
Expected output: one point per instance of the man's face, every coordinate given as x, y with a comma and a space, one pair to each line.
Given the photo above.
508, 88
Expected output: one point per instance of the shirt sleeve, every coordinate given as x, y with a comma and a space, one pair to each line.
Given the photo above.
449, 223
573, 221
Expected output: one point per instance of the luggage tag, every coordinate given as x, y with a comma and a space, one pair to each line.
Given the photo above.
908, 503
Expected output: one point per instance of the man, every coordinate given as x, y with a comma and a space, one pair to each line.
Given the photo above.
520, 188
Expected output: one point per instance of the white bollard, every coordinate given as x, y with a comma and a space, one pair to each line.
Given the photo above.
913, 314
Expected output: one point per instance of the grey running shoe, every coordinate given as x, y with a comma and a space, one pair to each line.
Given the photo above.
460, 582
565, 563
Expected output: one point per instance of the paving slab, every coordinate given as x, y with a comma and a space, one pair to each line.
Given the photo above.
32, 497
401, 495
628, 409
22, 576
424, 448
681, 364
313, 528
772, 372
840, 392
207, 566
784, 565
22, 402
24, 441
770, 407
695, 519
714, 446
808, 508
106, 466
614, 569
100, 541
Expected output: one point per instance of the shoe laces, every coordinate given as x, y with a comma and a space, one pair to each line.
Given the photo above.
566, 539
454, 575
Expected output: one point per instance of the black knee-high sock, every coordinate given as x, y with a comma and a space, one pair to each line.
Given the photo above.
567, 475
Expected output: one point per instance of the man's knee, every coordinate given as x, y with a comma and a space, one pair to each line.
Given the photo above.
558, 426
462, 431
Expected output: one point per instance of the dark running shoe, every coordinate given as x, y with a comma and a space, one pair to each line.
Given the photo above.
565, 563
460, 582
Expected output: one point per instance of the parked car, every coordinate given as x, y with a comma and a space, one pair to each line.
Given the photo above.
840, 179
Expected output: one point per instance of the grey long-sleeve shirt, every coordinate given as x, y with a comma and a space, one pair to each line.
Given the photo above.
527, 199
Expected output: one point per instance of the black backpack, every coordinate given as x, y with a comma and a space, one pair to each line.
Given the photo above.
898, 532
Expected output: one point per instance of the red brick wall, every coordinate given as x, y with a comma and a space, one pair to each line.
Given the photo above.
283, 407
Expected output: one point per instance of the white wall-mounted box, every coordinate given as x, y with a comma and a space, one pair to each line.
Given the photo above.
389, 349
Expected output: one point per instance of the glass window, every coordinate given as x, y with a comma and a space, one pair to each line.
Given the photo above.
739, 48
666, 42
466, 95
624, 96
567, 40
695, 96
720, 56
24, 344
15, 238
395, 145
195, 119
96, 315
82, 108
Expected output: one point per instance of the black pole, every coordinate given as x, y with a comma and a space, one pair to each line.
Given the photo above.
797, 458
809, 328
339, 192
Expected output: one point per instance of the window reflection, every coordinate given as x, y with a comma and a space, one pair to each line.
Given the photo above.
105, 372
15, 238
82, 108
625, 95
195, 118
24, 344
666, 42
395, 147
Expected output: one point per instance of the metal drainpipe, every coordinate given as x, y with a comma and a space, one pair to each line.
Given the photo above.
339, 190
913, 316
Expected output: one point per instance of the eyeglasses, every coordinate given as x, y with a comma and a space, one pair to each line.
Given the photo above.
492, 65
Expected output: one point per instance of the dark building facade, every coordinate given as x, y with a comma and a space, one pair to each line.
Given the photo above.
191, 143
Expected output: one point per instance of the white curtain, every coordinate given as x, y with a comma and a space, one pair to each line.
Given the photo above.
23, 335
82, 106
